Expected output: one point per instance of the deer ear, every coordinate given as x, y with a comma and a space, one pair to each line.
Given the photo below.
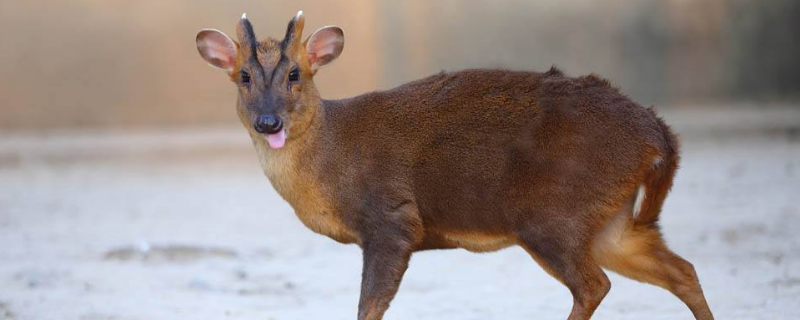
217, 49
324, 46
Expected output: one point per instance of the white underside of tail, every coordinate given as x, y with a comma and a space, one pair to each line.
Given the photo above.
637, 204
642, 192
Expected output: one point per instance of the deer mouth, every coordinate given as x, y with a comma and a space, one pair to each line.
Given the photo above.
276, 140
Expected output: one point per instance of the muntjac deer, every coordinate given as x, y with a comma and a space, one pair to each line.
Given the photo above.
568, 168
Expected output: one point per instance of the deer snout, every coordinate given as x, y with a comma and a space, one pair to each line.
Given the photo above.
268, 124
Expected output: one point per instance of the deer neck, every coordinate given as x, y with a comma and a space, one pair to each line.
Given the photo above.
294, 172
292, 169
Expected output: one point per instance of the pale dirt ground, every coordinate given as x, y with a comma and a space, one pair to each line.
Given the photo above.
181, 224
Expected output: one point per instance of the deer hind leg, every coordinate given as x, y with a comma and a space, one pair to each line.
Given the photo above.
639, 252
567, 258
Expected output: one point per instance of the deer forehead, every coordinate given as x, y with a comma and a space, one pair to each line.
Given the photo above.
269, 53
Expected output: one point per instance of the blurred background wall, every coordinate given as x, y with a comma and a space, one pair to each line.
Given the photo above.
117, 63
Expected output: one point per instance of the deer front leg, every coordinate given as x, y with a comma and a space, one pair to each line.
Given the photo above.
383, 269
387, 249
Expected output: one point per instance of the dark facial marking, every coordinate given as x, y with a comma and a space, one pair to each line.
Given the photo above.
283, 60
250, 37
289, 34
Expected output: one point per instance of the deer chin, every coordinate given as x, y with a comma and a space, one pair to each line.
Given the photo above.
276, 140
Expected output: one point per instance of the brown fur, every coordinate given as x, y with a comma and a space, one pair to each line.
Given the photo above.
481, 160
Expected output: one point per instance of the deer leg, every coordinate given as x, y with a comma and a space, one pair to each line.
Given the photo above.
684, 284
387, 250
569, 260
384, 266
641, 254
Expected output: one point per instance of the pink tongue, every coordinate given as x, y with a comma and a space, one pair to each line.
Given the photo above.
277, 140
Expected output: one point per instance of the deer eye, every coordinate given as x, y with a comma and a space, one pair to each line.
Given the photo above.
294, 75
245, 77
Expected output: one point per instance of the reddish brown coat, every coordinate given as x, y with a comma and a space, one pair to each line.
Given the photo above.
568, 168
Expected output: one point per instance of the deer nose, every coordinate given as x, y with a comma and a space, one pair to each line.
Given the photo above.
268, 124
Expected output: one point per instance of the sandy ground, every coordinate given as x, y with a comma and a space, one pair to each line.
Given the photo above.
181, 224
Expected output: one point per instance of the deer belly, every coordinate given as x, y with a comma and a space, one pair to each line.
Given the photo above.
479, 242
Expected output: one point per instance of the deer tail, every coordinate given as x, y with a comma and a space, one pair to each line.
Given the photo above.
658, 181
